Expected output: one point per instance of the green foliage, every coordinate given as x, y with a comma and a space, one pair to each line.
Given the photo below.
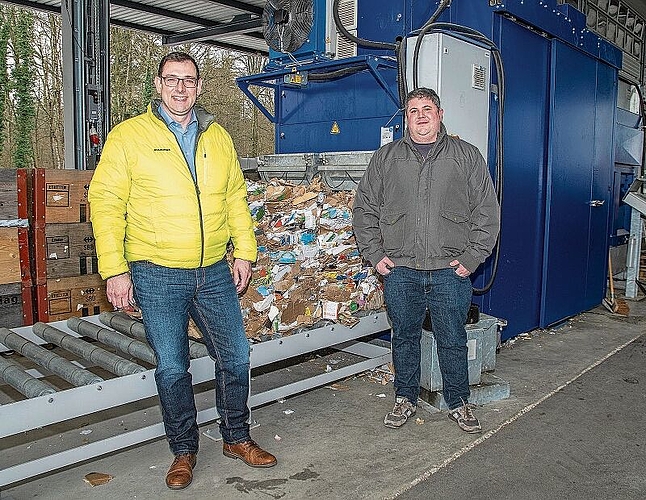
23, 76
149, 90
4, 78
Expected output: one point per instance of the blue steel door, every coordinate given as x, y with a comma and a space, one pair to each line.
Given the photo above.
576, 198
602, 184
515, 294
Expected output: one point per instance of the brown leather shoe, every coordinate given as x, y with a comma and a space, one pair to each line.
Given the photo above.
250, 453
180, 473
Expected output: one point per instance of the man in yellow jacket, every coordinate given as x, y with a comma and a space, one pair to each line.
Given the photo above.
166, 199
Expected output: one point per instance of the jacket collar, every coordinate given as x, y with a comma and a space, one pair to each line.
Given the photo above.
204, 118
441, 134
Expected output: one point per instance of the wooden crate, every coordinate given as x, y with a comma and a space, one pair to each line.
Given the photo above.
8, 193
60, 196
14, 255
63, 298
64, 250
16, 305
15, 193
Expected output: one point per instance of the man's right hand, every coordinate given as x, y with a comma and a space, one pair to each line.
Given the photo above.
384, 266
119, 291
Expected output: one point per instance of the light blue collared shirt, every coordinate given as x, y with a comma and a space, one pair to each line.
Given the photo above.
185, 138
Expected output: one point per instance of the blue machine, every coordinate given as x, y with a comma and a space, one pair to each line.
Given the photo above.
560, 88
629, 145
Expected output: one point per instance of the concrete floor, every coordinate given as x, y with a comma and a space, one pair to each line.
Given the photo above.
331, 443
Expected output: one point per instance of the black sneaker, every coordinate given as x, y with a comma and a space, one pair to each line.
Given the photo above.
464, 417
401, 411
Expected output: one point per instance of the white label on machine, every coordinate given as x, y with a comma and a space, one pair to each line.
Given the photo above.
471, 349
387, 135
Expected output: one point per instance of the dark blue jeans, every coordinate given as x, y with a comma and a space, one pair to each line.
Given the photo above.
447, 296
167, 297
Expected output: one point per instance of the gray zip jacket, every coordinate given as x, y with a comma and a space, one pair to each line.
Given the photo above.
424, 213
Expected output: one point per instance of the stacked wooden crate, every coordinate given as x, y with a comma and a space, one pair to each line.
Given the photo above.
16, 303
67, 282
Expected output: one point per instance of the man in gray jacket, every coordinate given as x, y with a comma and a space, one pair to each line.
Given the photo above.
426, 216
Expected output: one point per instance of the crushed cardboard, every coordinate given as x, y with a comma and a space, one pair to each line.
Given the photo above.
308, 267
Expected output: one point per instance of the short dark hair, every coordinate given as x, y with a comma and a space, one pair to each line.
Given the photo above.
177, 57
423, 93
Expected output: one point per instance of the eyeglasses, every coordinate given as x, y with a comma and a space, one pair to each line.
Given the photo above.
172, 81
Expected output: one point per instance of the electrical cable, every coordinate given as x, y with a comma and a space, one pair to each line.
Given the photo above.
339, 73
359, 41
499, 168
431, 26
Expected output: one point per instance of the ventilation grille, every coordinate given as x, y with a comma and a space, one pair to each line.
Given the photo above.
348, 16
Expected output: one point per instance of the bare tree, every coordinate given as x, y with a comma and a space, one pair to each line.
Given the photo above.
48, 84
134, 57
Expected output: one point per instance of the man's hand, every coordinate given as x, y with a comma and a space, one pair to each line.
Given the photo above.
384, 266
119, 291
241, 274
460, 270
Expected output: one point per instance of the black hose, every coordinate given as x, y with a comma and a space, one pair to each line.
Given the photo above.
359, 41
499, 168
433, 27
438, 12
427, 26
331, 75
402, 86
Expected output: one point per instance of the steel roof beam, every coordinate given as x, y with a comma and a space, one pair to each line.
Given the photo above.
34, 5
235, 4
239, 25
163, 12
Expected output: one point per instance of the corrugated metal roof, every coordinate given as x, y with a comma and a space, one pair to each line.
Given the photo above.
234, 24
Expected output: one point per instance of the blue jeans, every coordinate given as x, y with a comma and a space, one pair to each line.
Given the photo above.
447, 296
167, 297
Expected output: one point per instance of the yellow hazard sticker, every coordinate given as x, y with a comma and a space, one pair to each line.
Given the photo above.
335, 128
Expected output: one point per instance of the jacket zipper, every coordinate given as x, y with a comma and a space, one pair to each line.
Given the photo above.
195, 181
196, 185
199, 200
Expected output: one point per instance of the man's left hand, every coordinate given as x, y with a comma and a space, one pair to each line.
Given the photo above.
241, 274
460, 270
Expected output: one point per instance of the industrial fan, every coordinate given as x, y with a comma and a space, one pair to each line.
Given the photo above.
286, 24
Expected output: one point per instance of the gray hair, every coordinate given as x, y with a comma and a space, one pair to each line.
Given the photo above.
423, 93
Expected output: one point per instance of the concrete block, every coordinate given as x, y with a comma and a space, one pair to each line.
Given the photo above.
431, 377
491, 388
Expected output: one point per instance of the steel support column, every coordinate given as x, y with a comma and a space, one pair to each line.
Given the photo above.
86, 77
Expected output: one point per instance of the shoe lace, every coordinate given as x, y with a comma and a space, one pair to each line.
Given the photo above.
467, 412
400, 406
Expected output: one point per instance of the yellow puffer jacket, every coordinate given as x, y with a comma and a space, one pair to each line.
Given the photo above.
144, 204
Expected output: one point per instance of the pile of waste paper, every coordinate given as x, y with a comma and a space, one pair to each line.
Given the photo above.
309, 270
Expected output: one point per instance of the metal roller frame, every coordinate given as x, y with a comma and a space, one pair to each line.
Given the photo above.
37, 412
